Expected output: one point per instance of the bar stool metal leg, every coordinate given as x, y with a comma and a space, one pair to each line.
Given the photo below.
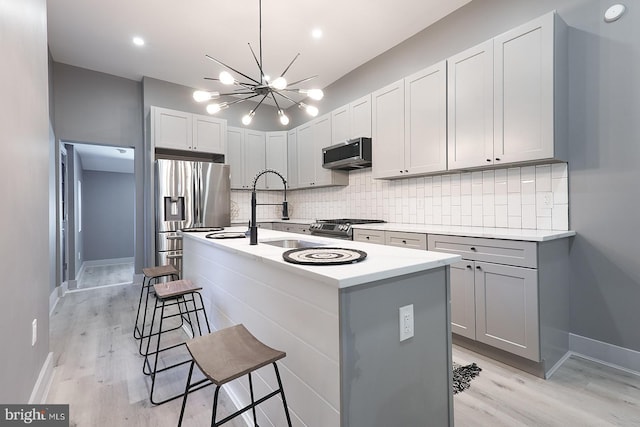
253, 401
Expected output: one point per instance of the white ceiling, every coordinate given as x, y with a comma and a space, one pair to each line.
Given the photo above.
104, 158
97, 34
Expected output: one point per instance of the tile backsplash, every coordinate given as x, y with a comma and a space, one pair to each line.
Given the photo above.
528, 197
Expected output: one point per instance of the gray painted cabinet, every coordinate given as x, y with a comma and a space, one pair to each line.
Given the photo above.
510, 295
496, 305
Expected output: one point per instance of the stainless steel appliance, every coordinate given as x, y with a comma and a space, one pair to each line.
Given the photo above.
348, 155
190, 196
338, 228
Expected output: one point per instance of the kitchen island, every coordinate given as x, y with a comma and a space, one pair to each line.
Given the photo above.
339, 325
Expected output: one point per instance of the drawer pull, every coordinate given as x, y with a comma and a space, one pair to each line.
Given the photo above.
473, 248
367, 237
404, 241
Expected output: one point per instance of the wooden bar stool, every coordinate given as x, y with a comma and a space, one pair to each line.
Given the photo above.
228, 354
150, 274
177, 293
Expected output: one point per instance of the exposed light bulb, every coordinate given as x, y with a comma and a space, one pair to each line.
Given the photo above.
246, 119
283, 118
315, 94
311, 110
266, 77
203, 95
138, 41
280, 83
226, 78
316, 33
214, 108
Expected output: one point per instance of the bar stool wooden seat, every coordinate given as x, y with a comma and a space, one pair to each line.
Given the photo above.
226, 355
177, 293
151, 274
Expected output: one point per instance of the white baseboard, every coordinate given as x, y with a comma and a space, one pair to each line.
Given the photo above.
41, 387
53, 299
110, 261
607, 354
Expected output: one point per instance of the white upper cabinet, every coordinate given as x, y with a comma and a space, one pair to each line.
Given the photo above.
524, 94
351, 121
306, 156
387, 123
171, 129
292, 159
209, 134
235, 157
507, 98
425, 113
312, 137
246, 157
470, 118
178, 130
409, 121
276, 158
254, 157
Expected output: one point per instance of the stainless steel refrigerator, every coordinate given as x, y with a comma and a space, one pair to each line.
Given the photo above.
189, 196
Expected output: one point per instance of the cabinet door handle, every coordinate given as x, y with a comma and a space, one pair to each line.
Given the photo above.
367, 237
498, 158
478, 267
406, 170
488, 160
469, 266
473, 248
404, 241
401, 172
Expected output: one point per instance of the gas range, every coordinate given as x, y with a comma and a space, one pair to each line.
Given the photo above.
339, 228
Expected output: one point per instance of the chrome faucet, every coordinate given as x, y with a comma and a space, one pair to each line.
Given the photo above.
253, 228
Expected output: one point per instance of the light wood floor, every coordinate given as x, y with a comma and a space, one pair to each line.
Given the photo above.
102, 275
98, 372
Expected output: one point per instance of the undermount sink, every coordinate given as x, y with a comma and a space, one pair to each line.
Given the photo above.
292, 243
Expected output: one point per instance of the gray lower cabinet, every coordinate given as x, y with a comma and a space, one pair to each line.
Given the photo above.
510, 295
507, 308
496, 305
291, 227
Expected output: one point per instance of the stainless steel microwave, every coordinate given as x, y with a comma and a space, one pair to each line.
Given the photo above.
352, 154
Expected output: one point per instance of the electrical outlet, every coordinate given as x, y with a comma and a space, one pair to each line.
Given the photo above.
34, 332
406, 322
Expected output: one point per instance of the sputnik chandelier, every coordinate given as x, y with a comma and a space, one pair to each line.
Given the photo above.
262, 86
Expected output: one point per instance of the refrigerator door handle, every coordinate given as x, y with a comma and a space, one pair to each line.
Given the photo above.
197, 214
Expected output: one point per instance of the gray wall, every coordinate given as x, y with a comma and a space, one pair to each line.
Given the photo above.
108, 212
99, 108
604, 173
24, 186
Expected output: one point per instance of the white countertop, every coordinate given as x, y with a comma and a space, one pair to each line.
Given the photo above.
382, 261
486, 232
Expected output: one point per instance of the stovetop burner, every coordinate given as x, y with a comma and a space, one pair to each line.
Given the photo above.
340, 227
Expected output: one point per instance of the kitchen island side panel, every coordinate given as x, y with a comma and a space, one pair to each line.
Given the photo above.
286, 311
386, 382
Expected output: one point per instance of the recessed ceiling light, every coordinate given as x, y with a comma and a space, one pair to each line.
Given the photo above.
138, 41
316, 33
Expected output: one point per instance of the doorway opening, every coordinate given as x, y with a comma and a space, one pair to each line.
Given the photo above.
97, 203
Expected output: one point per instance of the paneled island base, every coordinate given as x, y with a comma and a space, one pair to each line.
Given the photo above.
339, 326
